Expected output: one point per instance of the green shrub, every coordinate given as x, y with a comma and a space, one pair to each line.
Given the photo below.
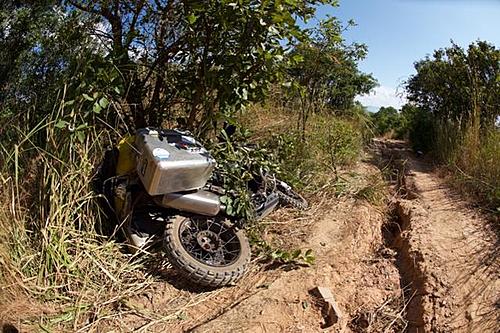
237, 164
330, 143
338, 141
294, 157
422, 132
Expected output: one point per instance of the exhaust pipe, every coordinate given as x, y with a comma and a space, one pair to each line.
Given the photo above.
199, 202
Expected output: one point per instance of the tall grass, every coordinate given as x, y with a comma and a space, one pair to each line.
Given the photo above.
51, 250
472, 154
477, 166
308, 162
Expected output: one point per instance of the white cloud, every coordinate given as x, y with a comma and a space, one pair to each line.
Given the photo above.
383, 96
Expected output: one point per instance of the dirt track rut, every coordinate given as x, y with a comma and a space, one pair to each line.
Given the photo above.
448, 253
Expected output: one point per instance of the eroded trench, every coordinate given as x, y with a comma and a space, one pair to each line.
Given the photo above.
397, 229
412, 280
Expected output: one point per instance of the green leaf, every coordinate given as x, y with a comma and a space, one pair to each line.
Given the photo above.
224, 199
96, 108
80, 135
103, 102
276, 254
298, 58
81, 127
61, 123
192, 18
229, 210
87, 97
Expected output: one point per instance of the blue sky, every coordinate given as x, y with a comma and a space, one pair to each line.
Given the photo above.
399, 32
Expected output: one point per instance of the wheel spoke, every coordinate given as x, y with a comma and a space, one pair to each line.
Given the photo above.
228, 241
210, 222
209, 241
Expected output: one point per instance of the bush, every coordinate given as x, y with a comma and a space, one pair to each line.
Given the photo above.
238, 163
457, 94
421, 131
338, 141
293, 156
386, 121
331, 143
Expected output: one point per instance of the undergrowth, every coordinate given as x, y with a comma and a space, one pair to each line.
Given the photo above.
331, 143
52, 252
477, 169
471, 157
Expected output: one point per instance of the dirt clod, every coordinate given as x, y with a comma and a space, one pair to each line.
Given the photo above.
332, 311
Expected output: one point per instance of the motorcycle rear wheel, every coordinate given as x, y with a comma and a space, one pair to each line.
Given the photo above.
206, 250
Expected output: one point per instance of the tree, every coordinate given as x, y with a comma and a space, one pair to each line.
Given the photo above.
458, 86
38, 46
326, 72
387, 119
198, 60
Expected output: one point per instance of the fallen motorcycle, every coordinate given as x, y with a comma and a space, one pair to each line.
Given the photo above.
161, 188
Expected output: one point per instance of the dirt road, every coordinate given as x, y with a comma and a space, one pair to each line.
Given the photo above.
351, 259
448, 253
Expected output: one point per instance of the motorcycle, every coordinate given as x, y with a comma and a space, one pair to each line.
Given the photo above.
161, 187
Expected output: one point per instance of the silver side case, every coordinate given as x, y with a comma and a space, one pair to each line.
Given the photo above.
169, 161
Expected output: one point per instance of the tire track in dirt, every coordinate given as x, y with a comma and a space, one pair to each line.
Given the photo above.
447, 252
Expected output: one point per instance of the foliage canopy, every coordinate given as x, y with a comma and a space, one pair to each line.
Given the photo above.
194, 62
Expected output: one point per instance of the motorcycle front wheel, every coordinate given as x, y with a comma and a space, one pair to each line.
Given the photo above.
206, 250
289, 197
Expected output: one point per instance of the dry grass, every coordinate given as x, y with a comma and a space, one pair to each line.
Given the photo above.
477, 169
388, 317
472, 157
57, 270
